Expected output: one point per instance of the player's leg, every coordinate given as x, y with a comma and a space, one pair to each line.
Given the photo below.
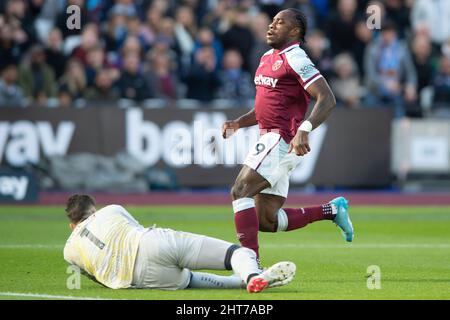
273, 218
267, 206
248, 184
247, 273
200, 252
260, 162
197, 252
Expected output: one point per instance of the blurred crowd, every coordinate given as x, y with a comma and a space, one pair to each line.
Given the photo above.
155, 53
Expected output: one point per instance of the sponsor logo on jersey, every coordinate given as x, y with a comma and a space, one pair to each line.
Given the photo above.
277, 65
265, 81
307, 71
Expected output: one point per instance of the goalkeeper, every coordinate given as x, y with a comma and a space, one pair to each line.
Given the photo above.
112, 248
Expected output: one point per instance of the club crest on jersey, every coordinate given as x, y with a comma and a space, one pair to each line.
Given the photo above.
277, 65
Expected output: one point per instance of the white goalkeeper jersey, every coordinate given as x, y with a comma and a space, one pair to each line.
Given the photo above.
105, 246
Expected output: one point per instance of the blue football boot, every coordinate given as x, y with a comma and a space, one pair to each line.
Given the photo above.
342, 219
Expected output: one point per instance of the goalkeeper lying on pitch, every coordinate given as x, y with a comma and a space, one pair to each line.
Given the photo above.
116, 251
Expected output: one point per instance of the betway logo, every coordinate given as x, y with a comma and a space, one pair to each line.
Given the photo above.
265, 81
14, 186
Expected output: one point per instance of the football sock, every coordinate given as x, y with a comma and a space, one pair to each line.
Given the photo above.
246, 222
245, 263
214, 281
292, 219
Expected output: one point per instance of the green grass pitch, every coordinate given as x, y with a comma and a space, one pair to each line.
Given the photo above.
410, 245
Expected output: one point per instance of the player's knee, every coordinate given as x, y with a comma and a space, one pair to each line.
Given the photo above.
240, 253
239, 190
267, 226
266, 222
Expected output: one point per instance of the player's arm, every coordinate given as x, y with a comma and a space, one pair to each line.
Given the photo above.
91, 277
325, 103
231, 126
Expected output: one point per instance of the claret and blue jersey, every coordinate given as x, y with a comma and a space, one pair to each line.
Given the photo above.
281, 80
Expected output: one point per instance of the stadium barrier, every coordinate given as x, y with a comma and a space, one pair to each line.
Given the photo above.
17, 186
351, 150
420, 146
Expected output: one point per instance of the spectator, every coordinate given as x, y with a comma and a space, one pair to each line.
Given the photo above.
53, 52
236, 84
95, 61
433, 16
206, 38
317, 46
345, 84
151, 25
307, 7
166, 33
445, 49
270, 7
20, 19
161, 74
364, 36
400, 12
203, 79
342, 27
74, 79
36, 78
131, 84
132, 45
14, 38
102, 93
89, 38
441, 85
423, 60
185, 30
260, 25
217, 18
65, 99
134, 27
126, 7
390, 74
11, 95
239, 36
116, 31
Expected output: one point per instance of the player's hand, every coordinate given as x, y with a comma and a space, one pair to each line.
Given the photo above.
300, 143
229, 127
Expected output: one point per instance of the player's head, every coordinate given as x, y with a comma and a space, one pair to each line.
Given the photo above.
79, 207
287, 26
389, 31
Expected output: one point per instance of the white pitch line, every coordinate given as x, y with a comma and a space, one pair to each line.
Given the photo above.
362, 246
46, 296
285, 245
31, 246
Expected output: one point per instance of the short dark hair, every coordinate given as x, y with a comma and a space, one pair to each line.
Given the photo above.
79, 207
389, 25
301, 21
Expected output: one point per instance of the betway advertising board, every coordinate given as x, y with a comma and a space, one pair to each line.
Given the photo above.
351, 149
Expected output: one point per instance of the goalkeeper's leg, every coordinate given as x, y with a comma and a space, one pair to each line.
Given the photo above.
201, 252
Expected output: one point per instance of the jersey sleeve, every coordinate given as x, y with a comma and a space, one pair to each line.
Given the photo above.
126, 214
304, 69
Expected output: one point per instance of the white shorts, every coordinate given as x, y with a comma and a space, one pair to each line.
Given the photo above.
270, 158
165, 258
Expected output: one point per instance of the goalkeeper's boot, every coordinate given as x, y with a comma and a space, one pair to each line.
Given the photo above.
342, 219
279, 274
